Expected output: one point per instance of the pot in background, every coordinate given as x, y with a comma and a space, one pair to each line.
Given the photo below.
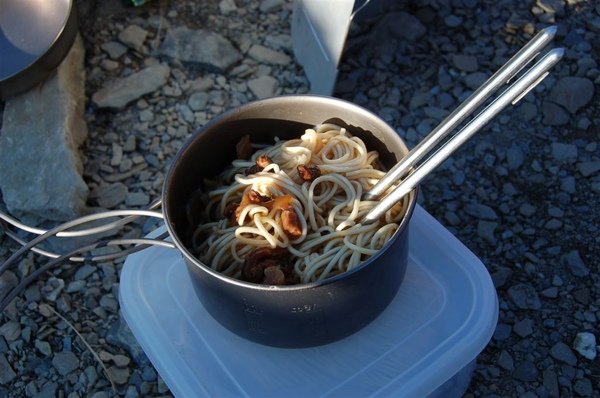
285, 316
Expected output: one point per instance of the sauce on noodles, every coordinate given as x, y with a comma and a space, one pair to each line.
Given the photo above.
291, 212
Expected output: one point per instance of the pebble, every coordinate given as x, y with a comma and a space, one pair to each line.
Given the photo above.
266, 55
227, 6
114, 49
524, 327
119, 375
566, 153
561, 352
554, 115
7, 374
270, 5
65, 362
524, 296
465, 63
573, 93
588, 168
526, 371
8, 280
133, 37
585, 345
110, 195
263, 87
575, 264
506, 361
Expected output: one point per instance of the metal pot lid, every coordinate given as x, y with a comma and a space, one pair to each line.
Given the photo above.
30, 36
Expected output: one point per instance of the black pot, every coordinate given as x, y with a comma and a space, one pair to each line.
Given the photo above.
289, 316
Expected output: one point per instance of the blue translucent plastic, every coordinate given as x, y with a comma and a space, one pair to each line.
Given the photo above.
424, 343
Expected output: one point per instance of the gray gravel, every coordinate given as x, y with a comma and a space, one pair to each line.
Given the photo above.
523, 195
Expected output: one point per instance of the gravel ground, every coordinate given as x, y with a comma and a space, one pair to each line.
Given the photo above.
523, 195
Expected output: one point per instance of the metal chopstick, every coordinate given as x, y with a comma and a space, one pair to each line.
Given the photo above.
523, 57
511, 95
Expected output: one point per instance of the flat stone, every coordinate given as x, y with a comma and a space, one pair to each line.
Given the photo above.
263, 87
199, 46
475, 79
399, 25
121, 360
561, 352
7, 374
84, 271
515, 157
566, 153
505, 361
133, 37
465, 63
227, 6
575, 264
502, 331
137, 199
524, 327
572, 92
43, 347
40, 167
270, 5
198, 101
119, 375
11, 330
268, 56
110, 195
525, 371
121, 91
524, 297
48, 390
114, 49
527, 111
65, 362
8, 280
501, 276
485, 230
481, 211
588, 168
554, 115
550, 382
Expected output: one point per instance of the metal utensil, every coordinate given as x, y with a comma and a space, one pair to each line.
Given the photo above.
511, 95
498, 79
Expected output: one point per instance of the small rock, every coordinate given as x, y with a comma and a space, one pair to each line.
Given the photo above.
502, 332
11, 330
8, 280
227, 6
114, 49
525, 371
52, 289
561, 352
133, 37
119, 375
266, 55
121, 360
506, 361
7, 374
588, 168
453, 21
84, 271
585, 345
119, 92
43, 347
65, 362
583, 387
524, 297
137, 199
200, 46
485, 230
110, 195
572, 92
528, 111
270, 5
524, 327
515, 157
566, 153
575, 264
263, 87
554, 115
550, 382
198, 101
399, 25
481, 211
501, 276
465, 63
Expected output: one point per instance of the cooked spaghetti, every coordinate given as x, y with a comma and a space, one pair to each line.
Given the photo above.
291, 213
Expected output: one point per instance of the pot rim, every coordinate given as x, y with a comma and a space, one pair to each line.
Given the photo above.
230, 114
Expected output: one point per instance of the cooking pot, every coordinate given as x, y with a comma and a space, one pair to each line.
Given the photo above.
35, 36
284, 316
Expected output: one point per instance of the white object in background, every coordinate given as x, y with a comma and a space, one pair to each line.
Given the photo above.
423, 345
319, 30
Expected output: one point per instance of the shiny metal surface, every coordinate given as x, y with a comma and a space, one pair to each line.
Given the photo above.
35, 36
501, 77
511, 96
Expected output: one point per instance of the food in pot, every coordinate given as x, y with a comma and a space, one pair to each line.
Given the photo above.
291, 212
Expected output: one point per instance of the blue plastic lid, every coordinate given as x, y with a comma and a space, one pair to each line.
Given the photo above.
442, 317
